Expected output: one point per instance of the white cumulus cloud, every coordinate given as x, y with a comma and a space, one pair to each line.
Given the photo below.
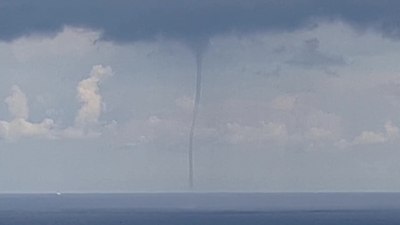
236, 133
89, 96
17, 103
370, 137
85, 122
19, 126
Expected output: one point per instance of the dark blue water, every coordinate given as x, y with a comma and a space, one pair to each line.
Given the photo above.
200, 218
201, 209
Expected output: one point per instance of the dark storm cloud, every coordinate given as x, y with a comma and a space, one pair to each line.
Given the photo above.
132, 20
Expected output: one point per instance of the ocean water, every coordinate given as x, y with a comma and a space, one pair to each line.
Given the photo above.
201, 209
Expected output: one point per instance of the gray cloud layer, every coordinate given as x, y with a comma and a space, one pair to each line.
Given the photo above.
127, 21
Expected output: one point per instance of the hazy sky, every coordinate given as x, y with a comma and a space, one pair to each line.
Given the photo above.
298, 95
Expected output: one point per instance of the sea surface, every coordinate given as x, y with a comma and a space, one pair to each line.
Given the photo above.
201, 209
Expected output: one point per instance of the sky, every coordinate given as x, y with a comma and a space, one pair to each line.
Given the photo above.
297, 95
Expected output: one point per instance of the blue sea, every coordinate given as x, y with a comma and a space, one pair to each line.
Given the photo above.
201, 209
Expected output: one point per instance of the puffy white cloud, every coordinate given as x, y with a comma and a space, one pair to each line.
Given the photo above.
89, 96
17, 103
85, 121
317, 133
371, 137
19, 127
236, 133
392, 131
